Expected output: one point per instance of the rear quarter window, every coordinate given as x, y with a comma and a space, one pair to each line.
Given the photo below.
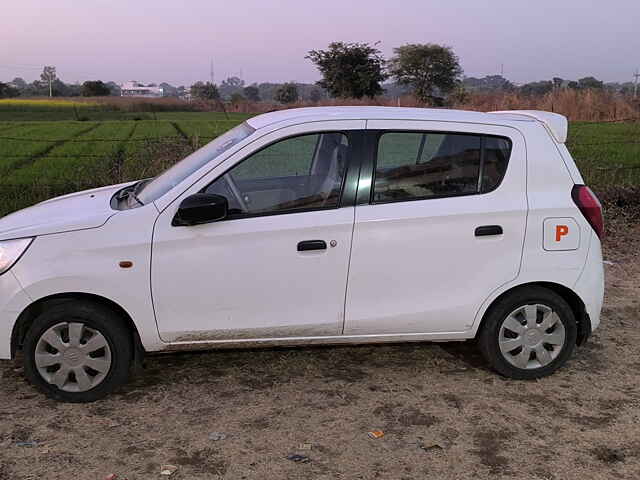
497, 151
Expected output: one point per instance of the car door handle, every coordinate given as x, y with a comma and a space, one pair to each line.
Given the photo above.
312, 245
487, 230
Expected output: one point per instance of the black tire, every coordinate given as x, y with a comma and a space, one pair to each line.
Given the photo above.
95, 317
488, 339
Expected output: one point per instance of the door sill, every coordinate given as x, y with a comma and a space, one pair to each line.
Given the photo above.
328, 340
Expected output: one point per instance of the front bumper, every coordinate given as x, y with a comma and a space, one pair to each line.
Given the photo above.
13, 301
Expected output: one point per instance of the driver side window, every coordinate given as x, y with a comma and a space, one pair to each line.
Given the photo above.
298, 173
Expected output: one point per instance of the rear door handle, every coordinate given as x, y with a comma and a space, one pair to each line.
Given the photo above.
487, 230
312, 245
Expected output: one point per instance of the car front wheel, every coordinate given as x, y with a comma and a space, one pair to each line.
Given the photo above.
77, 351
529, 333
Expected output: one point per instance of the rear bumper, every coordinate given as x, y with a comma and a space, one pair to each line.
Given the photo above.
13, 300
590, 284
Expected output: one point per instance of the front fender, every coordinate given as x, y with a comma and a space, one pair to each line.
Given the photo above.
88, 262
13, 300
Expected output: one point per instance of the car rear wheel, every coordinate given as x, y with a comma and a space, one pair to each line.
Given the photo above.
528, 334
77, 351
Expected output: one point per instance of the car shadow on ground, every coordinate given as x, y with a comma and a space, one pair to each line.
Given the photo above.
260, 368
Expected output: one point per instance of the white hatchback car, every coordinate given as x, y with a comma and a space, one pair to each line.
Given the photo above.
315, 225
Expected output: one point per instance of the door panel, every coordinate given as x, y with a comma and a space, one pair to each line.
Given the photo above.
417, 266
245, 277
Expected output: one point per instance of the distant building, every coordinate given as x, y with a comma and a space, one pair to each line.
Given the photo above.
136, 89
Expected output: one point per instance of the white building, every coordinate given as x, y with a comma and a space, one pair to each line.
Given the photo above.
136, 89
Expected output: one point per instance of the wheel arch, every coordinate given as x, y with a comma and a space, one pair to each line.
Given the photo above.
568, 295
29, 314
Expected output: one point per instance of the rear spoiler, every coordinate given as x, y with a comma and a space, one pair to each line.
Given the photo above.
556, 124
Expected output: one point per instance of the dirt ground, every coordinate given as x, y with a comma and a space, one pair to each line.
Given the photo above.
444, 414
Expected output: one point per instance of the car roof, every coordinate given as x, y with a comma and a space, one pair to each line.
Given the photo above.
553, 122
310, 114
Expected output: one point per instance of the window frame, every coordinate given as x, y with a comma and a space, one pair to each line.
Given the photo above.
368, 175
349, 180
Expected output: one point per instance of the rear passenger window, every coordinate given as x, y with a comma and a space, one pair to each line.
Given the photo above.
414, 165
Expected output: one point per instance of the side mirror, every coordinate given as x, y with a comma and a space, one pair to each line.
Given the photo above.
200, 208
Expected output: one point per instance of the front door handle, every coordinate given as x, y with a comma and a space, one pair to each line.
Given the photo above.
487, 230
312, 245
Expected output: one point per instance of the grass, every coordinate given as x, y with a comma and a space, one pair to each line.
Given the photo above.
76, 160
24, 144
50, 157
204, 116
97, 114
39, 160
612, 144
109, 109
608, 154
151, 129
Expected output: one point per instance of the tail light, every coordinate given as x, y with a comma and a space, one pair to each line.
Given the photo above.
590, 207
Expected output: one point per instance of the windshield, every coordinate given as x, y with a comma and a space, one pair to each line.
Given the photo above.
181, 170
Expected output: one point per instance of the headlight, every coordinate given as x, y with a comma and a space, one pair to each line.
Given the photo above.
11, 251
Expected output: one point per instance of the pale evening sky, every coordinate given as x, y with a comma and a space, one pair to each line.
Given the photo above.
173, 41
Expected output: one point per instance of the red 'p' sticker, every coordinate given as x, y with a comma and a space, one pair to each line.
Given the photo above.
561, 231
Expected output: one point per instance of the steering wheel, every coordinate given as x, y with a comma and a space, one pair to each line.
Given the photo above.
236, 192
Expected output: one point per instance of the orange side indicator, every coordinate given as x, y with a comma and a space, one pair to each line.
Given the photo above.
561, 231
126, 264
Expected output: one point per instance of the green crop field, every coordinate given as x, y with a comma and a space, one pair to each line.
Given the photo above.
608, 154
74, 159
39, 159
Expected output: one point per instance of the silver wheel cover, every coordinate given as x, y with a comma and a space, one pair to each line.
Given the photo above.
531, 336
73, 357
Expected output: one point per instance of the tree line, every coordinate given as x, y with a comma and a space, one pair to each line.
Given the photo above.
232, 88
357, 70
49, 85
430, 72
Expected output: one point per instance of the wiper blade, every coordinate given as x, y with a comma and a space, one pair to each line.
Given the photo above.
129, 192
124, 193
132, 194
